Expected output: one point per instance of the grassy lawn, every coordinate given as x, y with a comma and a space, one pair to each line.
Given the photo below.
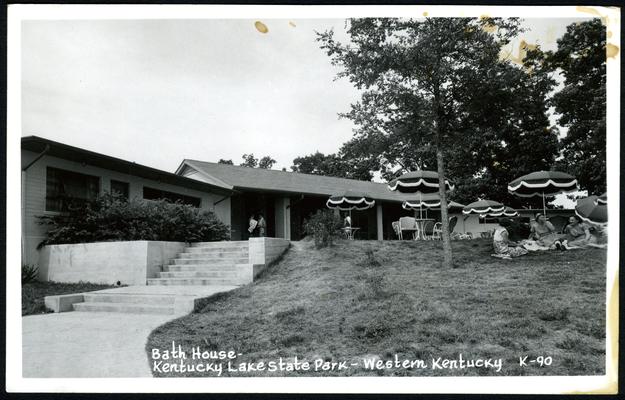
380, 299
34, 292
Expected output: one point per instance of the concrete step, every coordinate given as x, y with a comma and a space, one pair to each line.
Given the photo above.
125, 308
209, 261
129, 299
201, 267
195, 281
199, 274
214, 254
213, 250
225, 244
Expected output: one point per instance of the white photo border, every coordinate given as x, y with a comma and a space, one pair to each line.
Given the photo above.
605, 384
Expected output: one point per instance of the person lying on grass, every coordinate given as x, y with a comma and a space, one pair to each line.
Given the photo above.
504, 247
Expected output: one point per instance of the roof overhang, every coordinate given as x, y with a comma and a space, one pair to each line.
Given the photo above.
37, 144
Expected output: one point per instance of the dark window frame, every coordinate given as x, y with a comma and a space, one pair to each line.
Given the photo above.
63, 187
126, 192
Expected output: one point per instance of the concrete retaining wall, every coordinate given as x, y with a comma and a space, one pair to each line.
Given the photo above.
263, 251
130, 263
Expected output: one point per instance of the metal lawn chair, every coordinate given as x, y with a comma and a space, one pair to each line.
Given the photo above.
396, 229
408, 224
428, 230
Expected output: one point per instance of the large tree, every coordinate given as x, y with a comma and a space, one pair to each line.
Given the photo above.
351, 162
581, 103
423, 79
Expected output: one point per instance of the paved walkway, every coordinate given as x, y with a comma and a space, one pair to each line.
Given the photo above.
93, 344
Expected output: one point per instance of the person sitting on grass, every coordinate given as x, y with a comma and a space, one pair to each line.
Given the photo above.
544, 234
504, 247
577, 234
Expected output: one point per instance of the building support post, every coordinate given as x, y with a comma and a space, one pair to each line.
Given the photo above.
380, 222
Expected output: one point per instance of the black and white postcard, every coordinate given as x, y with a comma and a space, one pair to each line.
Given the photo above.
308, 199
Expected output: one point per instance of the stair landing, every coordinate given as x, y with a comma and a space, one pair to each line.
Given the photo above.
170, 300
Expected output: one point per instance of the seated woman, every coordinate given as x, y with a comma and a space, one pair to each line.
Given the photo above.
502, 244
577, 234
544, 233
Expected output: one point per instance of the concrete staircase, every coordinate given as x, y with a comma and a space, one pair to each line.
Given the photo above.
202, 269
208, 263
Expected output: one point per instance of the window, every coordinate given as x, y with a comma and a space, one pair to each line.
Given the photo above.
119, 187
155, 194
67, 187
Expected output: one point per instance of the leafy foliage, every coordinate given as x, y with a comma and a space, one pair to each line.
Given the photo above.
581, 104
227, 162
339, 165
29, 273
113, 218
252, 162
266, 162
324, 226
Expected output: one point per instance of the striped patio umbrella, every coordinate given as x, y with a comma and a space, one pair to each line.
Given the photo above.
507, 212
593, 209
483, 207
418, 182
427, 204
416, 204
543, 183
349, 201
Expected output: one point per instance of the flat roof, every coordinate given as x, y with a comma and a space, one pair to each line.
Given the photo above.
38, 145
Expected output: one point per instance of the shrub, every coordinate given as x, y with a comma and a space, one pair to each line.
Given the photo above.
29, 273
324, 226
113, 218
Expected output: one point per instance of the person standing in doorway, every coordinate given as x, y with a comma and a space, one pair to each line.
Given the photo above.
262, 226
253, 223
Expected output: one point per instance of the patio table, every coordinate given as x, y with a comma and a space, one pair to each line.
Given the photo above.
349, 232
421, 224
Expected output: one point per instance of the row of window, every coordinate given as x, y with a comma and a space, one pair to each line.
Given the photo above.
64, 187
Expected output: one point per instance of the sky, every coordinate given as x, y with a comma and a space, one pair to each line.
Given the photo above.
159, 91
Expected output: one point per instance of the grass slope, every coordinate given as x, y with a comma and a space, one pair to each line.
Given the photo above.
377, 299
33, 294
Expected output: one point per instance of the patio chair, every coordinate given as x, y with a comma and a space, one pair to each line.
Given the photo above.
408, 224
428, 230
437, 233
396, 229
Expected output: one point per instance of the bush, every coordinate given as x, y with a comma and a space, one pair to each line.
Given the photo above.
113, 218
324, 226
29, 273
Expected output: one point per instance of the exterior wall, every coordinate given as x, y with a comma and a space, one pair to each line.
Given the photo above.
130, 263
34, 195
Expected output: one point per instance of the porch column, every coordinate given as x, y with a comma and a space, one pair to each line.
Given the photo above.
283, 217
380, 222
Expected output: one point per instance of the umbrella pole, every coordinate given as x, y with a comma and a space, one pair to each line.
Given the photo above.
544, 208
420, 206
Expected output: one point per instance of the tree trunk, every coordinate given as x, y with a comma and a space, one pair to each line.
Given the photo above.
447, 254
440, 163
